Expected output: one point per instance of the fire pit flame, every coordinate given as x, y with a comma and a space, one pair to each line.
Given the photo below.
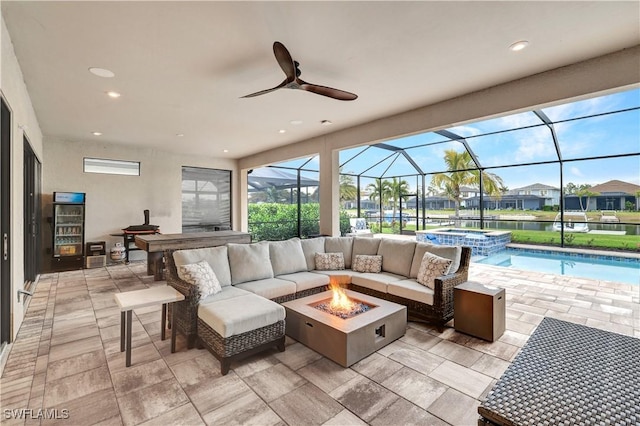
340, 301
340, 304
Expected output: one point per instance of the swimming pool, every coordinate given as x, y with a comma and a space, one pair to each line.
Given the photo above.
607, 268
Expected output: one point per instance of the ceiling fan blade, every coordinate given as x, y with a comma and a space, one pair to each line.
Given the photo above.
263, 92
327, 91
284, 60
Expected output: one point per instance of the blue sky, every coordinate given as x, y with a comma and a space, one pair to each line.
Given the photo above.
578, 137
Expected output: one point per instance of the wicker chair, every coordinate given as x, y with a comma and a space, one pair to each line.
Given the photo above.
441, 311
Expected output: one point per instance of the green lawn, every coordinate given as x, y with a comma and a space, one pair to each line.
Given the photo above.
625, 216
615, 242
595, 241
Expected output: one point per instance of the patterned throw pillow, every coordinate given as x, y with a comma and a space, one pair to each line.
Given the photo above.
432, 267
329, 261
365, 263
202, 276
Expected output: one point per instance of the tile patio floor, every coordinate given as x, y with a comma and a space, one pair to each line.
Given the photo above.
67, 357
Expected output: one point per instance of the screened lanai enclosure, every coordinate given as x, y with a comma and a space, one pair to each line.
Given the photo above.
283, 200
562, 175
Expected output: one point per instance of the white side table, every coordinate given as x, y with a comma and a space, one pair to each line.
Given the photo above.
131, 300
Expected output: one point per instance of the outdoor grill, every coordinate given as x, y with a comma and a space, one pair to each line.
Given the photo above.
145, 228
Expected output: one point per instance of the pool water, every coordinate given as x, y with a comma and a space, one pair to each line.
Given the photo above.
619, 270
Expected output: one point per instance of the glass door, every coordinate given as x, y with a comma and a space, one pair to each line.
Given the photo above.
5, 222
32, 215
68, 230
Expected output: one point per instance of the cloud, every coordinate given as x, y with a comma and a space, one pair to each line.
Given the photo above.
465, 131
576, 171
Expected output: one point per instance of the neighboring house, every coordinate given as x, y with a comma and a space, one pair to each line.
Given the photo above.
550, 194
467, 192
436, 202
508, 201
612, 195
530, 197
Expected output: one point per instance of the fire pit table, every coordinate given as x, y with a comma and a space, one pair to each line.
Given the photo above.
373, 324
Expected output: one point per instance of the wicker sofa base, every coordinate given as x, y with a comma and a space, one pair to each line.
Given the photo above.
416, 311
229, 349
438, 314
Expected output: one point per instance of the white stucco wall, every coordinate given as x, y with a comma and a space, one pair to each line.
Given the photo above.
23, 122
114, 202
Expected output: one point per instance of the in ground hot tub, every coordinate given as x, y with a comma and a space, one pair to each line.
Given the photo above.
483, 243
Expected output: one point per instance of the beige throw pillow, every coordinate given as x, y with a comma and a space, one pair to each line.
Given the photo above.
202, 276
367, 263
432, 267
329, 261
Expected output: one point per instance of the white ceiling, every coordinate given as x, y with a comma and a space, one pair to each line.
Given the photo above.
182, 66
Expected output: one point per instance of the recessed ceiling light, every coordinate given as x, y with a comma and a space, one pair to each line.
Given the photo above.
518, 45
225, 150
113, 94
326, 123
179, 135
96, 133
296, 122
102, 72
282, 131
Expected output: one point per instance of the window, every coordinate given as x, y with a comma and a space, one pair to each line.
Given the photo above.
206, 199
111, 167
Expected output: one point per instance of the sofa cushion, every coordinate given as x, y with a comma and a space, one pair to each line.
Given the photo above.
287, 256
432, 267
249, 262
366, 246
397, 255
448, 252
365, 263
306, 280
228, 292
269, 287
375, 281
340, 244
412, 290
215, 256
240, 314
340, 277
329, 261
202, 276
310, 247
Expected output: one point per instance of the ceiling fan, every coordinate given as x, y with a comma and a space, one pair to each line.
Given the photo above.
292, 71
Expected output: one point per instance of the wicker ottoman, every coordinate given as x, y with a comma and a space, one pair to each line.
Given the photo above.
236, 328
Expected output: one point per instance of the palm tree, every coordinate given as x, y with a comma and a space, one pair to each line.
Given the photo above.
397, 187
380, 190
463, 172
585, 192
348, 190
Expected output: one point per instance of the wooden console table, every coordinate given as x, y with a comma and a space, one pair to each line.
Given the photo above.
154, 245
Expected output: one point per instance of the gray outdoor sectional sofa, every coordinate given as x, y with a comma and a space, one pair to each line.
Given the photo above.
246, 316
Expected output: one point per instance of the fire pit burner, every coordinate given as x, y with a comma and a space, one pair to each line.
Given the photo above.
357, 307
345, 341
